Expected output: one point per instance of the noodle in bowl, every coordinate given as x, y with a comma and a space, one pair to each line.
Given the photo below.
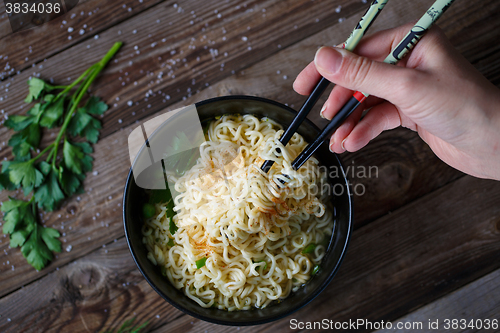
244, 238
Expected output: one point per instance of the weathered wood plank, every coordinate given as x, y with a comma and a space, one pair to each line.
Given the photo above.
473, 32
5, 28
474, 302
32, 46
395, 264
91, 294
401, 261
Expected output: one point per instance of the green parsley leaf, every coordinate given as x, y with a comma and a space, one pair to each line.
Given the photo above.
5, 183
36, 88
78, 122
25, 174
18, 123
35, 250
159, 196
49, 194
148, 210
26, 139
84, 125
86, 162
91, 131
172, 227
96, 106
170, 242
200, 263
49, 236
52, 113
18, 238
70, 183
36, 111
73, 157
315, 269
17, 213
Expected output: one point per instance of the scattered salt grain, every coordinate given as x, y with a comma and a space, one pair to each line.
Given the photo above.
69, 248
70, 29
130, 103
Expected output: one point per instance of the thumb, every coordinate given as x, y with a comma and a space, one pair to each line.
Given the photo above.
395, 84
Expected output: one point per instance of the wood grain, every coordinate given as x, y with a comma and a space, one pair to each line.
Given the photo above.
28, 47
394, 265
5, 28
476, 302
407, 168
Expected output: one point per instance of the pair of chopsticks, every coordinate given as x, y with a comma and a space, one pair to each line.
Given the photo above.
398, 53
350, 44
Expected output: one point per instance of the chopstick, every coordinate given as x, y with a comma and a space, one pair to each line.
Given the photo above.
350, 44
399, 52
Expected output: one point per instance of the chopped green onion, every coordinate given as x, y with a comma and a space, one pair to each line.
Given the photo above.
170, 242
315, 269
265, 264
148, 210
163, 271
309, 248
200, 263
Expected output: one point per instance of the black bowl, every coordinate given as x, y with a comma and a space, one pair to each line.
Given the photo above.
134, 197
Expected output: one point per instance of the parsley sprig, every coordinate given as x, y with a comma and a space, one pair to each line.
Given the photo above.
57, 171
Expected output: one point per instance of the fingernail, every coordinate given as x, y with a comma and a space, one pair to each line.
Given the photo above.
328, 59
321, 112
342, 144
331, 147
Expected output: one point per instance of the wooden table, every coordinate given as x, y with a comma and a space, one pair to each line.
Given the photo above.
426, 241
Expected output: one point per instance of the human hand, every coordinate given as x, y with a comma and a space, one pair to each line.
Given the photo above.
433, 91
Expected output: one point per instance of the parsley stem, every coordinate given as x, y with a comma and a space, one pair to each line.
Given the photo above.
92, 73
43, 152
68, 88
